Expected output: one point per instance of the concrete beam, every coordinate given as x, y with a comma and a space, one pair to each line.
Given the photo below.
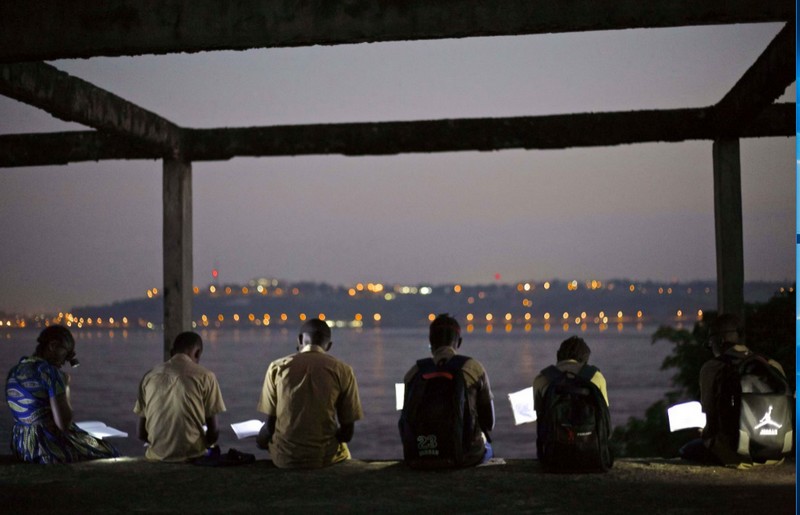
544, 132
54, 29
728, 225
72, 99
763, 83
484, 134
177, 194
60, 148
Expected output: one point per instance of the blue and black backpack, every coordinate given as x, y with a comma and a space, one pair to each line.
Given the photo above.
437, 425
574, 424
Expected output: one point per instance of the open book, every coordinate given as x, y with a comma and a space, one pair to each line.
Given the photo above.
100, 429
399, 395
686, 415
522, 406
247, 428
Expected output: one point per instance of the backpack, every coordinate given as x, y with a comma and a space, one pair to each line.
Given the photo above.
437, 425
755, 410
572, 432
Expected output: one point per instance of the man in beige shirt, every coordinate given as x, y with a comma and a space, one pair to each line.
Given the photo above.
311, 402
176, 398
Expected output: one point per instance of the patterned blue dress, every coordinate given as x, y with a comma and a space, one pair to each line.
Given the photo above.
35, 436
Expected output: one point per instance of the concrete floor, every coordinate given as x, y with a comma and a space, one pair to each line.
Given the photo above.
132, 485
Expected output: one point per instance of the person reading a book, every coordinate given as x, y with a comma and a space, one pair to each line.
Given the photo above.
176, 399
311, 402
37, 393
717, 443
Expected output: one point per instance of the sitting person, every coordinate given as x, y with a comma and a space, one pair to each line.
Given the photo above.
571, 404
427, 430
176, 398
37, 392
311, 401
719, 441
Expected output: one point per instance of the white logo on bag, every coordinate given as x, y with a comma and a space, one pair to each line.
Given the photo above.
766, 420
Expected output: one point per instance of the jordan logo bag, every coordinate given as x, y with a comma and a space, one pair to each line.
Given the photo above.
436, 423
572, 434
756, 408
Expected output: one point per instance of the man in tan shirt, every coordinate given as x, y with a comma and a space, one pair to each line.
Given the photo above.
176, 398
311, 402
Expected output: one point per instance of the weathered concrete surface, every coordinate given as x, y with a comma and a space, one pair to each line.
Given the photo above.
632, 487
75, 100
52, 29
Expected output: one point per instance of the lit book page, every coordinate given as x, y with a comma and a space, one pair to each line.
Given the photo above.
522, 406
100, 429
399, 395
247, 428
686, 415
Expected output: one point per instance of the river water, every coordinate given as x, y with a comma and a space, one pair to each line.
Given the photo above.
113, 361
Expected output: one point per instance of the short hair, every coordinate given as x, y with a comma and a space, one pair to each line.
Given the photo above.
444, 330
574, 348
319, 331
724, 324
57, 333
186, 341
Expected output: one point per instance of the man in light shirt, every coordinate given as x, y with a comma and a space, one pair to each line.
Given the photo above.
311, 401
176, 399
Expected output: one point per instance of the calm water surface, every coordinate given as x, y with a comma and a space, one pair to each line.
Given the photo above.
112, 363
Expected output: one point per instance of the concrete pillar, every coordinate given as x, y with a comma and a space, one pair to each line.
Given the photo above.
177, 191
728, 225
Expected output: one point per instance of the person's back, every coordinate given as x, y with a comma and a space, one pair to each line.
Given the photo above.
448, 410
741, 394
571, 402
176, 399
311, 401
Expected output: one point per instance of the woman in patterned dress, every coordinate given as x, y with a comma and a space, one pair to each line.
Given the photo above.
37, 392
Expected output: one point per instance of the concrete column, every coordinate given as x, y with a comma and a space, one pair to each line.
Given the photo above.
177, 250
728, 224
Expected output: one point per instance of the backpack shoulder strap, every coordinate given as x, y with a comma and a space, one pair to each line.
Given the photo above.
552, 374
587, 372
457, 362
425, 366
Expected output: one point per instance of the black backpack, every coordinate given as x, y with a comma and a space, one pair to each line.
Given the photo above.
573, 429
755, 410
437, 425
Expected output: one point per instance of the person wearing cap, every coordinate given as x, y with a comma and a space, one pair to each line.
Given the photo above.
572, 355
175, 400
445, 339
37, 393
311, 402
725, 343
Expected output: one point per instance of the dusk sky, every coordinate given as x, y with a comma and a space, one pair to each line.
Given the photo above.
90, 233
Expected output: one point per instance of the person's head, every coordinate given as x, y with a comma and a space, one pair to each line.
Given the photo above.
444, 331
723, 333
574, 348
56, 345
188, 343
314, 332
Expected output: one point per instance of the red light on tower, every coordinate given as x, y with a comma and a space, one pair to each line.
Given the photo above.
497, 277
214, 273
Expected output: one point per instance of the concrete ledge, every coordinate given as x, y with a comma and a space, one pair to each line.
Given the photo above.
633, 486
